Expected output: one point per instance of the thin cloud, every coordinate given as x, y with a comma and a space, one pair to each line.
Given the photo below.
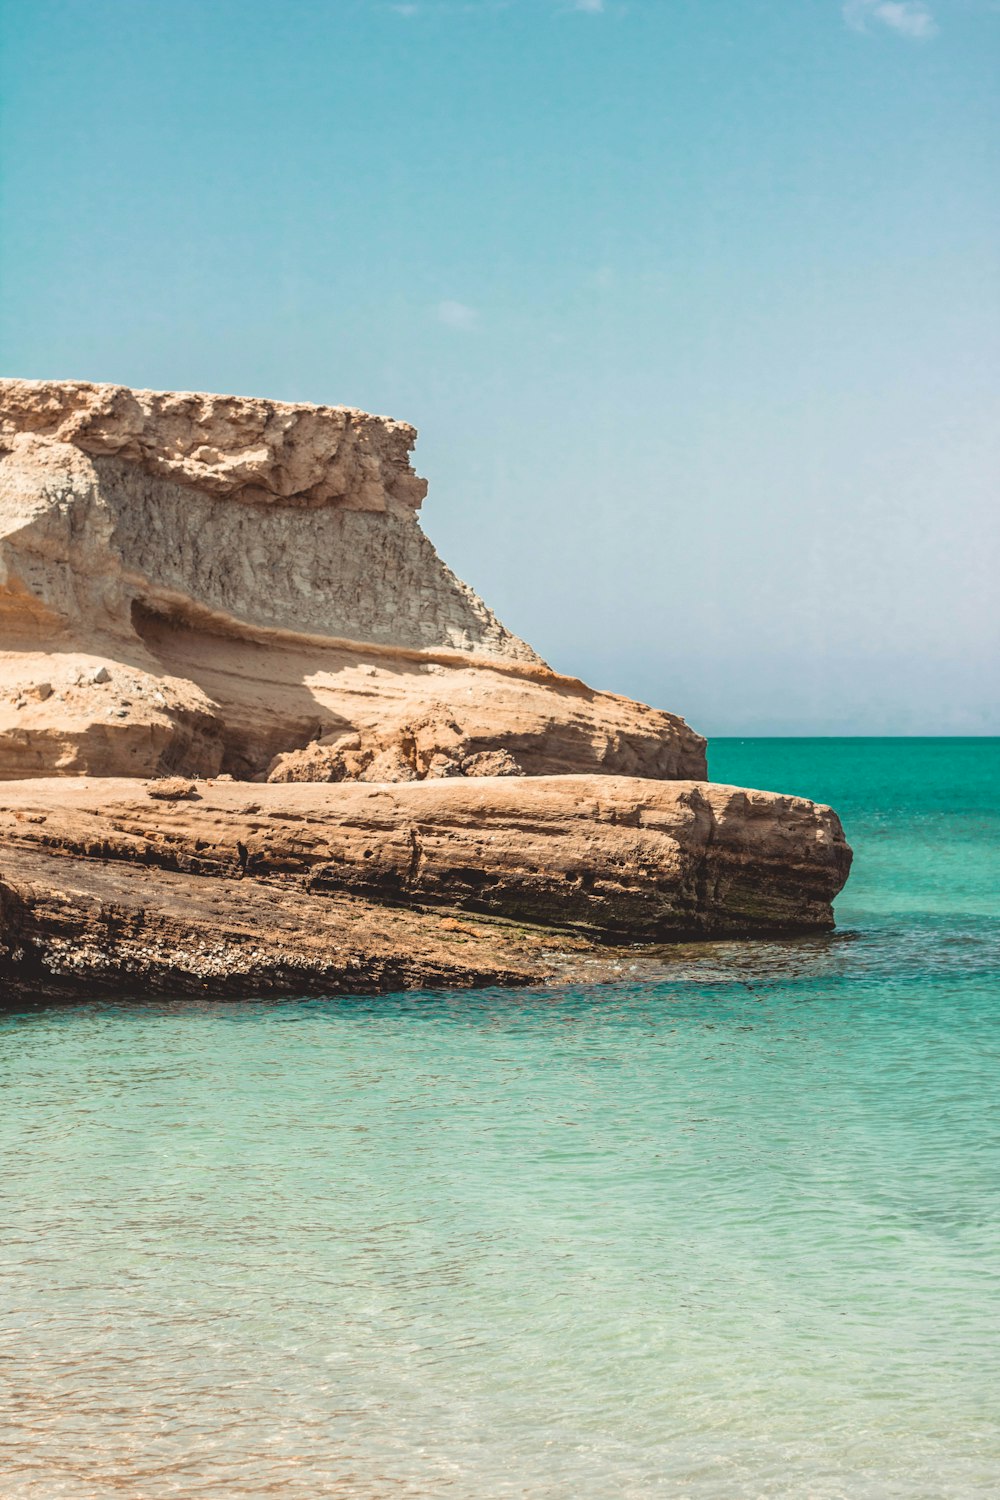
457, 315
410, 8
909, 18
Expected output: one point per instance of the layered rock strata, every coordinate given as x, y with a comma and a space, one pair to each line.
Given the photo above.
201, 583
220, 888
375, 784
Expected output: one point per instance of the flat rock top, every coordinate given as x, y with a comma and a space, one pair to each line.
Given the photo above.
242, 447
489, 802
294, 888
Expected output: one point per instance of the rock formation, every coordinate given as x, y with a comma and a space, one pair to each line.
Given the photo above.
210, 583
214, 887
227, 591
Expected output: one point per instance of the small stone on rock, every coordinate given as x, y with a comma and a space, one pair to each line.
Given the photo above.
450, 925
171, 789
491, 763
443, 765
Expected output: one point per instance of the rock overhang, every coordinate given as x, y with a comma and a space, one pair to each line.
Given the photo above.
248, 449
205, 545
221, 586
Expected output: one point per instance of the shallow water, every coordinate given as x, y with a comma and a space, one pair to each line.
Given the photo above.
735, 1234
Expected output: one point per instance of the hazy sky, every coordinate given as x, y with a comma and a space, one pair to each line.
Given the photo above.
696, 304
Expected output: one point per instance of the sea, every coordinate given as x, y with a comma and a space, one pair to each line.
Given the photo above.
732, 1231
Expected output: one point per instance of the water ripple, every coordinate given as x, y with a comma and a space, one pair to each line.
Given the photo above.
729, 1228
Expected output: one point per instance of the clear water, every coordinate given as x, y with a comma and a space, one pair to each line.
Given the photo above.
733, 1234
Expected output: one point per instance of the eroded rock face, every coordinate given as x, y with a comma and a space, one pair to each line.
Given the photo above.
229, 512
228, 447
285, 888
215, 591
252, 582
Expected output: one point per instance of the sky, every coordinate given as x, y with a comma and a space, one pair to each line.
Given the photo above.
695, 304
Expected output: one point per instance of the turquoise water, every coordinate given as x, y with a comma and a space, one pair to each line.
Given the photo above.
735, 1233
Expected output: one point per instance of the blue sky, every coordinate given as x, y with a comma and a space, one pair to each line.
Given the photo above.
696, 305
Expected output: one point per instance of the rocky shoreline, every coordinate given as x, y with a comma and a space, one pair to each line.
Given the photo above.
255, 737
221, 888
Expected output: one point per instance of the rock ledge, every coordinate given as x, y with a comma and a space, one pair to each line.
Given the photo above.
323, 889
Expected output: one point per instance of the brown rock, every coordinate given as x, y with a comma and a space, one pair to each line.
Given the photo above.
353, 875
231, 447
171, 789
491, 763
442, 765
331, 759
253, 574
252, 579
390, 764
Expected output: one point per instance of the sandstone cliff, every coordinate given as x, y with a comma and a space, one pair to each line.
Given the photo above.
231, 591
206, 583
